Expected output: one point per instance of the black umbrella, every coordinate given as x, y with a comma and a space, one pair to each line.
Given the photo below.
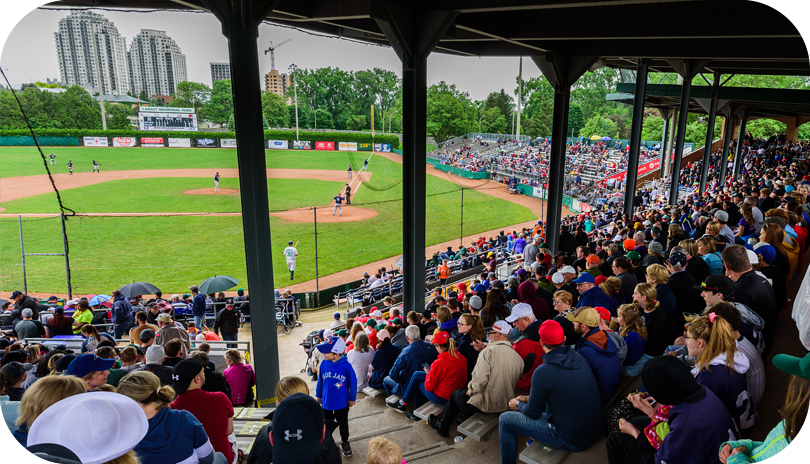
138, 288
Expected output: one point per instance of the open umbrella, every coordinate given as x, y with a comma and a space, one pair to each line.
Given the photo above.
218, 283
606, 139
398, 263
138, 288
595, 137
98, 299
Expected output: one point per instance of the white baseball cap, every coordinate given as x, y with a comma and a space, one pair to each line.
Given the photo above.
332, 345
327, 334
568, 270
520, 310
117, 424
502, 327
557, 278
376, 313
752, 257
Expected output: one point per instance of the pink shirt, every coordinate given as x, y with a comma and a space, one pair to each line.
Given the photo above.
238, 377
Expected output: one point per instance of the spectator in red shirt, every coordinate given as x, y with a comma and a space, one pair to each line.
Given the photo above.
212, 409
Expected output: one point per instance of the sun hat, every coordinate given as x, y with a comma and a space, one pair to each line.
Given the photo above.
333, 345
800, 367
88, 363
587, 316
183, 373
502, 327
520, 310
114, 425
164, 317
297, 429
551, 333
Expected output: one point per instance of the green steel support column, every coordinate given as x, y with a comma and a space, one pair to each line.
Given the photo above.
683, 113
740, 140
635, 136
240, 25
707, 148
726, 143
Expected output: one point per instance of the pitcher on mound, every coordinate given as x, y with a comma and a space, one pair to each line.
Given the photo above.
290, 253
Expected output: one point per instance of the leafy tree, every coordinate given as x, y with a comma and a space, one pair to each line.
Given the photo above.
356, 123
325, 120
220, 104
274, 109
190, 95
449, 112
576, 120
764, 127
653, 128
504, 102
804, 131
143, 96
117, 116
492, 121
232, 125
156, 102
601, 126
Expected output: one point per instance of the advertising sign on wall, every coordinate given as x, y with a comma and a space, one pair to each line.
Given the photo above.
324, 145
95, 142
152, 141
206, 143
642, 169
167, 118
538, 192
179, 143
377, 147
278, 144
347, 146
365, 146
302, 145
386, 148
227, 143
125, 142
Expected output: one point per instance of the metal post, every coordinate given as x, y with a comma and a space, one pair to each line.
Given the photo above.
22, 254
315, 215
67, 259
680, 138
726, 146
240, 25
556, 173
707, 148
293, 68
664, 134
740, 143
670, 143
520, 95
635, 137
461, 237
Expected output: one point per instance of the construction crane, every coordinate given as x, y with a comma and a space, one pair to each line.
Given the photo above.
272, 49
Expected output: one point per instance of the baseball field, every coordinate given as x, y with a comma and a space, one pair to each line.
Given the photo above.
152, 215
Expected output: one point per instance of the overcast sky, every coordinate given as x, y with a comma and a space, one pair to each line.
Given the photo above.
29, 53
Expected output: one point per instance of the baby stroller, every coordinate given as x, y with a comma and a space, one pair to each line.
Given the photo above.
308, 344
285, 316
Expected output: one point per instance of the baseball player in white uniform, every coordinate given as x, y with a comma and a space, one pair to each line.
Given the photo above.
290, 253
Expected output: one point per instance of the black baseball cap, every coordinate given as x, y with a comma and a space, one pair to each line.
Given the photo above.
146, 335
16, 293
297, 429
64, 362
717, 283
183, 373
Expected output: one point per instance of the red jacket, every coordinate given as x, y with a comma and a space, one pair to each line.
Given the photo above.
524, 348
447, 374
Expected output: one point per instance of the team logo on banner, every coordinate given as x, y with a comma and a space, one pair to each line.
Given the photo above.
302, 145
227, 143
324, 145
206, 143
347, 146
179, 143
95, 142
125, 142
152, 142
377, 147
386, 148
277, 144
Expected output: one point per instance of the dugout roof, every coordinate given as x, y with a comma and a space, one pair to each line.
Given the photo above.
737, 37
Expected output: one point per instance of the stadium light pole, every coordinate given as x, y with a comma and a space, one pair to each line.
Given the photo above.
293, 69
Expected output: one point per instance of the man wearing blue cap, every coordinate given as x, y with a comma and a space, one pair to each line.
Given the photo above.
337, 324
91, 369
589, 294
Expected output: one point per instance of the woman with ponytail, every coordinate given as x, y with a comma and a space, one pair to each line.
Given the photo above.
655, 321
174, 436
632, 330
447, 374
471, 329
721, 367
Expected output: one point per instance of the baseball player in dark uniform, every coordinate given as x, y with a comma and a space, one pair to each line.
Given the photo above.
53, 159
350, 171
70, 167
216, 182
95, 167
338, 205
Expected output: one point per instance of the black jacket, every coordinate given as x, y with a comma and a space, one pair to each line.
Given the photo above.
26, 302
568, 243
215, 382
164, 373
681, 284
698, 268
262, 451
756, 293
227, 322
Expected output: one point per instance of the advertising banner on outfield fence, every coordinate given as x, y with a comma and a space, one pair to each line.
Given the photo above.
643, 168
95, 142
538, 192
302, 145
278, 144
227, 143
206, 143
386, 148
179, 143
152, 142
324, 145
125, 142
347, 146
377, 147
365, 146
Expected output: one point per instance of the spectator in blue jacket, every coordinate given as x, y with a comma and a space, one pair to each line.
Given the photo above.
384, 358
590, 294
123, 318
197, 307
336, 390
698, 421
563, 408
409, 361
599, 350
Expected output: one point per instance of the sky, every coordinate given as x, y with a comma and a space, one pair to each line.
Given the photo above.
30, 51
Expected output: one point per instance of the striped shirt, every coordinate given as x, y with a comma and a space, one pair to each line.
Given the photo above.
755, 376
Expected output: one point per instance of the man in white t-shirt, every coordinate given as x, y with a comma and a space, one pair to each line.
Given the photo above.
290, 253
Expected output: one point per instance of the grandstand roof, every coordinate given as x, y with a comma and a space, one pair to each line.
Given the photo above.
760, 103
735, 36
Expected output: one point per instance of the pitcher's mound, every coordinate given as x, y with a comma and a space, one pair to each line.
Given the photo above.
350, 214
210, 191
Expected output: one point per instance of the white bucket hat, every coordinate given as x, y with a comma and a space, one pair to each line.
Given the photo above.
113, 424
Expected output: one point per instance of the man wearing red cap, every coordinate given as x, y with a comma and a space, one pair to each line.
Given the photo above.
563, 408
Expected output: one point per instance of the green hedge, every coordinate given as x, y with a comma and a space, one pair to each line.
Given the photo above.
268, 135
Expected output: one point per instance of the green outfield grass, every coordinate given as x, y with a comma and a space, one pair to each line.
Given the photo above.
175, 252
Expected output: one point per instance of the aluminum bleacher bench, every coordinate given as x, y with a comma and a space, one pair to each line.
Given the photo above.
424, 411
245, 444
479, 427
393, 398
373, 392
538, 453
248, 428
251, 414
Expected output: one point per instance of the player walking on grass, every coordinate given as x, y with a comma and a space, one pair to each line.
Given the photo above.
350, 171
70, 167
338, 204
95, 167
216, 182
53, 160
290, 253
